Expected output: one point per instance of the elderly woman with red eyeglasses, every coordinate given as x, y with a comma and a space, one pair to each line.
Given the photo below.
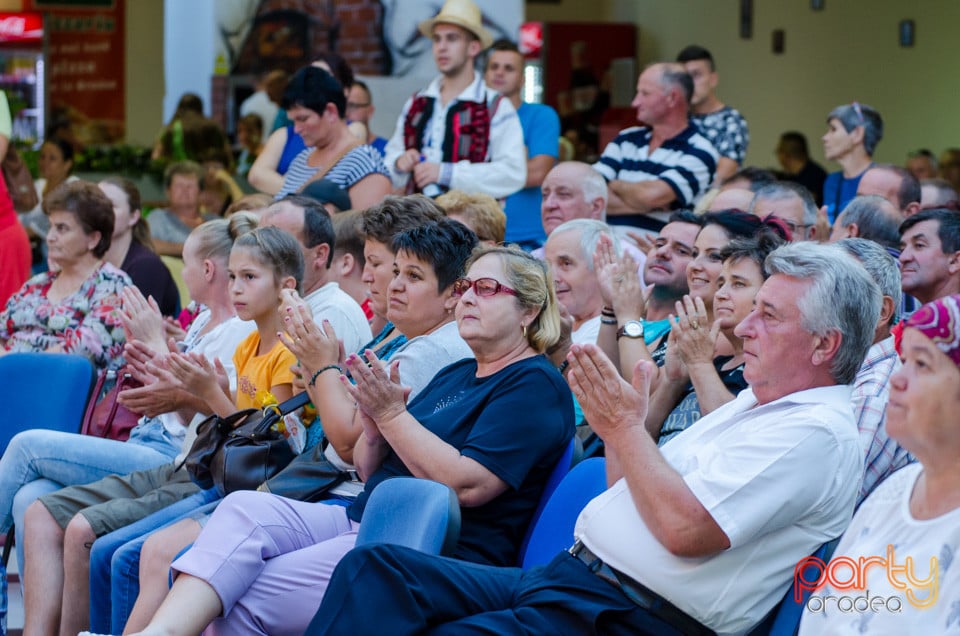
490, 427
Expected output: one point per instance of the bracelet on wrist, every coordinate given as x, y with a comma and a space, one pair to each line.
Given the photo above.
316, 374
563, 366
608, 311
607, 321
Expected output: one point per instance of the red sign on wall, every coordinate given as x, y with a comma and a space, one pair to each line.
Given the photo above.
531, 39
85, 68
21, 27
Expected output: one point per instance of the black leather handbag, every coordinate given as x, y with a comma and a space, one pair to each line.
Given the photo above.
309, 477
242, 450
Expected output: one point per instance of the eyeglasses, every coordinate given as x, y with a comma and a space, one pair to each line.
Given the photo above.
355, 105
858, 110
797, 229
482, 287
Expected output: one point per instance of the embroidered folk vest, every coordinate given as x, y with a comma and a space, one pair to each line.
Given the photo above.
466, 133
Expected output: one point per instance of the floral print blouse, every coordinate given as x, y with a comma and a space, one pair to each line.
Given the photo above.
87, 322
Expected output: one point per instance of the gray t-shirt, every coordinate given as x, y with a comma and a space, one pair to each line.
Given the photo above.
165, 226
422, 357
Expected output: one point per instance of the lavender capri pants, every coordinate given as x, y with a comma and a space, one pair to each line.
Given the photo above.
269, 559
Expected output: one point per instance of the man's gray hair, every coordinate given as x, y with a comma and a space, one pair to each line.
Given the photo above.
594, 186
674, 75
590, 232
781, 190
875, 217
842, 297
881, 265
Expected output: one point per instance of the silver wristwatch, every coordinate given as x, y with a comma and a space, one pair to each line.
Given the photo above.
631, 329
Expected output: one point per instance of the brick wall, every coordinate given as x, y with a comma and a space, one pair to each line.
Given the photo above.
352, 28
361, 36
219, 89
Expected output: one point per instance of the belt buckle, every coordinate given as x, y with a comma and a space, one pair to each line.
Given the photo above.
576, 547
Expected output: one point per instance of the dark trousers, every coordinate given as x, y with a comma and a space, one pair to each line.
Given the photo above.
381, 589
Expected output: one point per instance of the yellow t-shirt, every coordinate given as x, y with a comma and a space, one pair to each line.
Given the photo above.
256, 374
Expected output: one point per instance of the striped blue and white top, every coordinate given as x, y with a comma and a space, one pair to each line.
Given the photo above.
686, 162
352, 167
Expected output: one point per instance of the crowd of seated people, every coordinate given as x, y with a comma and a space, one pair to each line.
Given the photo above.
763, 375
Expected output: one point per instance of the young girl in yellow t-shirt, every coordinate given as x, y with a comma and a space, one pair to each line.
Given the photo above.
262, 263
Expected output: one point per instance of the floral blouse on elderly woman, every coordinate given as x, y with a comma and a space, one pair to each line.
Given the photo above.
87, 322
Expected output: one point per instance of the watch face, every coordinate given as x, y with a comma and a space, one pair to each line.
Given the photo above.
633, 329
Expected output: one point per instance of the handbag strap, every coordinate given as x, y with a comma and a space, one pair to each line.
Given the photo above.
291, 405
274, 412
92, 402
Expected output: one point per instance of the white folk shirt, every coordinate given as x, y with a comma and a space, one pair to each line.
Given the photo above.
505, 170
779, 479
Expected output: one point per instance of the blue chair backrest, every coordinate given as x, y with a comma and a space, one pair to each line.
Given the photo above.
416, 513
46, 390
553, 531
571, 455
785, 619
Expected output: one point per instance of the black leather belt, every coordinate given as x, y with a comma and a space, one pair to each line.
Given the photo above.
641, 595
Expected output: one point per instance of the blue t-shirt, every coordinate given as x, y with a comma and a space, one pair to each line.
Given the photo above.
837, 192
541, 136
379, 144
291, 149
516, 423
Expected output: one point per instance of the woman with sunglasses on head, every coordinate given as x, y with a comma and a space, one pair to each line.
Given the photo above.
853, 132
262, 562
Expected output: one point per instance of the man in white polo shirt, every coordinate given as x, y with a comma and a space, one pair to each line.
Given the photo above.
698, 537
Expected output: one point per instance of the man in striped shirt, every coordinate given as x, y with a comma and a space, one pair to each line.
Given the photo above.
662, 164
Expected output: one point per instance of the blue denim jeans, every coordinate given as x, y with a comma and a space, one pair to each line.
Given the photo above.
115, 563
39, 461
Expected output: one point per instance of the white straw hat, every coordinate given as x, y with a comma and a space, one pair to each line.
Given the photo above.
462, 13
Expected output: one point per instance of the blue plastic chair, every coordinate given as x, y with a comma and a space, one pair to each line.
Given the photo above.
46, 390
571, 455
416, 513
785, 618
553, 531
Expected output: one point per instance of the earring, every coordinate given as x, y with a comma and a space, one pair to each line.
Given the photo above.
523, 329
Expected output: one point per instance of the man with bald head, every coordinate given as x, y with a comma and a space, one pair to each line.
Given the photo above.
730, 199
893, 183
662, 164
572, 190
